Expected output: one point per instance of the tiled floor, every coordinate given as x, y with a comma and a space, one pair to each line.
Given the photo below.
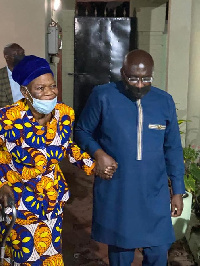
78, 248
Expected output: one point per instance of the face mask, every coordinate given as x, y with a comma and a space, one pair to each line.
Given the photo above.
43, 106
135, 93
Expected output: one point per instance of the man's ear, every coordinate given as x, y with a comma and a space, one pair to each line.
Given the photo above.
122, 72
6, 57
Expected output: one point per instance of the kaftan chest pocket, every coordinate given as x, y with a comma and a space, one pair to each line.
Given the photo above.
157, 126
155, 136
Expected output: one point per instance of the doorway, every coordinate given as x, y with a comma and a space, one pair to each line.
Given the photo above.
100, 45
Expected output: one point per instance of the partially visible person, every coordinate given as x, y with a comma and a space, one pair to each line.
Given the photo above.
134, 124
9, 89
34, 138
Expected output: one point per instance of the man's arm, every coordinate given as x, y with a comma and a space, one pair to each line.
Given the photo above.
89, 122
174, 160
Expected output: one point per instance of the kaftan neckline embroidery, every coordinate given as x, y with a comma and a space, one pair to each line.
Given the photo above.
139, 130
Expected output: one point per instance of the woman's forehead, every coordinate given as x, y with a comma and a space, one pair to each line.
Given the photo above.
43, 79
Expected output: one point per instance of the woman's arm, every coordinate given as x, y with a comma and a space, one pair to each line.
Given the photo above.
79, 158
71, 151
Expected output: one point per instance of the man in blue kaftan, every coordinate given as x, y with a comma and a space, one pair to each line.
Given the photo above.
132, 127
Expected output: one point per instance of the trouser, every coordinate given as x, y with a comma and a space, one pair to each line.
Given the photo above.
152, 256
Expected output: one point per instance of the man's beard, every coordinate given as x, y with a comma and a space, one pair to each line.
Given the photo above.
135, 93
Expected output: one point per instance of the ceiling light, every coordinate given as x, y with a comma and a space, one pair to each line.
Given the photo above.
56, 4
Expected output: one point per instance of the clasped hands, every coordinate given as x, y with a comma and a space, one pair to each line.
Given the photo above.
105, 165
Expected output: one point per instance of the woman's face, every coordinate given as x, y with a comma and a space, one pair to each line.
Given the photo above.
43, 88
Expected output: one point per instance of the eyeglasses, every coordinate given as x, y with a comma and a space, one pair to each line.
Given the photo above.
137, 79
143, 80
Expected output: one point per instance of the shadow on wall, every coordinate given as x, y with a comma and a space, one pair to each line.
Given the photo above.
180, 227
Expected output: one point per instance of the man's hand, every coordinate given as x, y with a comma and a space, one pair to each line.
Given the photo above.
5, 193
105, 165
176, 205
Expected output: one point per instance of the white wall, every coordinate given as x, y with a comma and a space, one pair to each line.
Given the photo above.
179, 55
65, 17
23, 22
147, 3
67, 24
48, 15
69, 4
152, 38
193, 106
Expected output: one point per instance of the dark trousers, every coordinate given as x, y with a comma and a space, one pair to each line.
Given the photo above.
152, 256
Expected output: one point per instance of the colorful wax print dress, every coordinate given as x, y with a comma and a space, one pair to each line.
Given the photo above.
29, 157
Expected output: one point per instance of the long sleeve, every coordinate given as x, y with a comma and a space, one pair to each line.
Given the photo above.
88, 124
173, 152
80, 158
75, 155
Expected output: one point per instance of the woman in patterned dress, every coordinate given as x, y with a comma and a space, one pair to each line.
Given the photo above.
34, 138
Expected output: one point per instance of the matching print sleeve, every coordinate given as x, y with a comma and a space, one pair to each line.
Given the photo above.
71, 151
174, 152
80, 158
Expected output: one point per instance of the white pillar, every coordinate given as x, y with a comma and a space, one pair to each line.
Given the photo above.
193, 127
179, 29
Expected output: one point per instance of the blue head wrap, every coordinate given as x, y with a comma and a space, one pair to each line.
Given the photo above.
29, 68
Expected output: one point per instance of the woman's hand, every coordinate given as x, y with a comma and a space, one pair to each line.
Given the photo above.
5, 193
105, 165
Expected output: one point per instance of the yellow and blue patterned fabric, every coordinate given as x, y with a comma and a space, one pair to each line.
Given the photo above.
29, 157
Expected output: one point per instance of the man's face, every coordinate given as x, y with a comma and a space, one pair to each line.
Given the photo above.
137, 78
137, 75
13, 56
